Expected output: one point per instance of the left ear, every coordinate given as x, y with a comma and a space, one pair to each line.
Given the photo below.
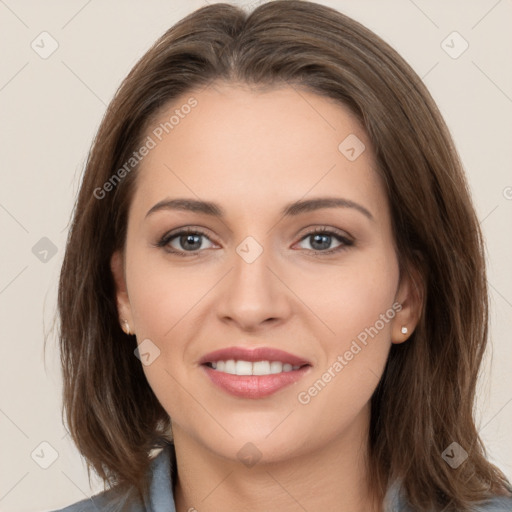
410, 295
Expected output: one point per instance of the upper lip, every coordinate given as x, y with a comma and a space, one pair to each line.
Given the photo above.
253, 355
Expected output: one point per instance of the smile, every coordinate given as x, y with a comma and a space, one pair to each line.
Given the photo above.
252, 368
254, 386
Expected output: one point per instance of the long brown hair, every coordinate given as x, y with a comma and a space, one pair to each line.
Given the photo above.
424, 401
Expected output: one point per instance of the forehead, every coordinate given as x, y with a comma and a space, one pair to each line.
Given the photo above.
250, 146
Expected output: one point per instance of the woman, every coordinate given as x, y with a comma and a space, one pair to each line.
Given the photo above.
275, 274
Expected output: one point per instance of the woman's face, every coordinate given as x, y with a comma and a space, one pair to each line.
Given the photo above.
257, 276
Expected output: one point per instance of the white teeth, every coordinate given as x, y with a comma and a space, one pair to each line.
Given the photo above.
276, 367
261, 368
249, 368
243, 368
230, 366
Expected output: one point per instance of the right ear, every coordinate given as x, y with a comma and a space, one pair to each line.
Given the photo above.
123, 302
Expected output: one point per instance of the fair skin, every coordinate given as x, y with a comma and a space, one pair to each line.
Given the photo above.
252, 153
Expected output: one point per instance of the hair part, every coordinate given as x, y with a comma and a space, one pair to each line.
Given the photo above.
424, 400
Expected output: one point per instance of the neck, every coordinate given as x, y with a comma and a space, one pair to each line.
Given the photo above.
337, 472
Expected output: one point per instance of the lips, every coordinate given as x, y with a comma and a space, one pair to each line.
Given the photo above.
254, 355
221, 366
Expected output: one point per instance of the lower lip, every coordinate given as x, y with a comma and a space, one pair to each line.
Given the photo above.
254, 386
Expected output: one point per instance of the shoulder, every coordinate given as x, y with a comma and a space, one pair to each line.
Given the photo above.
113, 500
495, 504
395, 501
107, 501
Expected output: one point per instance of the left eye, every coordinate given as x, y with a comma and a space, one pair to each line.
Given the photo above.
320, 241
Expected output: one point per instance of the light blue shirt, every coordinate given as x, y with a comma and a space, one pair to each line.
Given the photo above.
161, 498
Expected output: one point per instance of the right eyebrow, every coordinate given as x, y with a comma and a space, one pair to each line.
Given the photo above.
191, 205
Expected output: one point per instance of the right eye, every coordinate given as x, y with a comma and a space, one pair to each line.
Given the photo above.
183, 242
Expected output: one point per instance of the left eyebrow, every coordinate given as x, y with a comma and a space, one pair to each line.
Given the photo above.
292, 209
318, 203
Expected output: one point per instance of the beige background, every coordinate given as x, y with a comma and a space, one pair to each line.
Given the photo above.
50, 110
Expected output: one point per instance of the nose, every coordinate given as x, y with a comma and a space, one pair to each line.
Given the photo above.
253, 293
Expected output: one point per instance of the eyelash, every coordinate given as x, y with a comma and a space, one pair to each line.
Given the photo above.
345, 241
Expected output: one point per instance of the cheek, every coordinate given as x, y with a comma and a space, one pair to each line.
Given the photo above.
162, 294
351, 298
162, 299
358, 305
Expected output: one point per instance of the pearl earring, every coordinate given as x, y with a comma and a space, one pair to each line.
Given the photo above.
126, 327
404, 330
